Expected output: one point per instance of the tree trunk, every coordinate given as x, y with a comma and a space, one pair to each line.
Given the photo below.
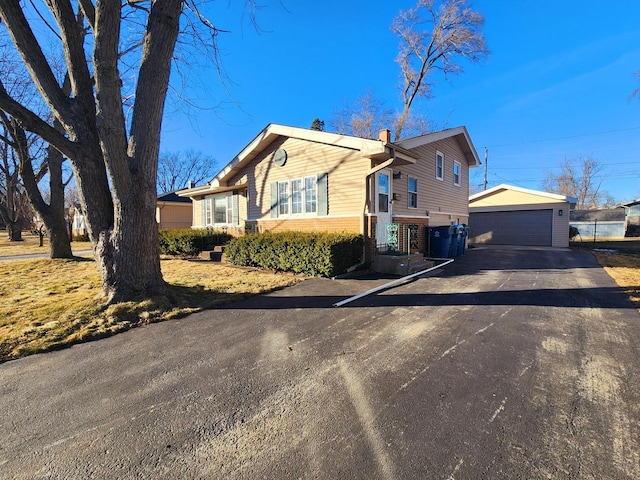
52, 214
59, 241
128, 257
15, 232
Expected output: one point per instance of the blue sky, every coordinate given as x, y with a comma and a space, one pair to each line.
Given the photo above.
556, 85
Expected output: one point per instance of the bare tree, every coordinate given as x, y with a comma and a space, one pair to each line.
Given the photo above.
114, 155
364, 118
455, 35
15, 211
177, 169
580, 178
368, 115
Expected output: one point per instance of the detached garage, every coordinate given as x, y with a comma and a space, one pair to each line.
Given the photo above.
508, 215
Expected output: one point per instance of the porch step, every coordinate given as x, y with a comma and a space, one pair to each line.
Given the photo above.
214, 255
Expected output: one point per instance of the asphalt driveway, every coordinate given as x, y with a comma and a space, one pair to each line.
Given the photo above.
508, 363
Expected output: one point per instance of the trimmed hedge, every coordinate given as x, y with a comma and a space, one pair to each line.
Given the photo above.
188, 242
310, 253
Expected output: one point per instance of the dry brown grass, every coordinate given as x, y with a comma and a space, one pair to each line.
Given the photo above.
48, 304
624, 268
31, 244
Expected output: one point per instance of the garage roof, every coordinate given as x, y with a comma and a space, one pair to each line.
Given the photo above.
504, 186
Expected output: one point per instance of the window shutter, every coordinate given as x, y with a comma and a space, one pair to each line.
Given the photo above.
204, 211
323, 194
274, 200
236, 209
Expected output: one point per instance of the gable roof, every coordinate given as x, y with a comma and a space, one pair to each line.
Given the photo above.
460, 133
504, 186
380, 150
173, 197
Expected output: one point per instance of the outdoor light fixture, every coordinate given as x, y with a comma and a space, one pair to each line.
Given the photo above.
397, 175
560, 212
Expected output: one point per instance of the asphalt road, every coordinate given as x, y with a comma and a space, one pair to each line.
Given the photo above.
507, 364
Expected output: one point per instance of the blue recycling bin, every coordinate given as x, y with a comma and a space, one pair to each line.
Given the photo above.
454, 249
440, 241
463, 239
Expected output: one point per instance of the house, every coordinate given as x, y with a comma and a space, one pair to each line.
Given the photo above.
173, 211
509, 215
599, 222
291, 178
632, 218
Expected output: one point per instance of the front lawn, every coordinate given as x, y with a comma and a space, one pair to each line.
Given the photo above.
48, 304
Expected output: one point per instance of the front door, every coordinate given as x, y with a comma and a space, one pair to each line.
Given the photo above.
383, 206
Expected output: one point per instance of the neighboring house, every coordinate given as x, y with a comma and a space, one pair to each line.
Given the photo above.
78, 224
298, 179
601, 222
509, 215
632, 218
173, 211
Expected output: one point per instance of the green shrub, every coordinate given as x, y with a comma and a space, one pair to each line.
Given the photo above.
310, 253
188, 242
83, 237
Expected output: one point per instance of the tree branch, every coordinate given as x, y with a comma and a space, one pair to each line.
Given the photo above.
34, 59
33, 123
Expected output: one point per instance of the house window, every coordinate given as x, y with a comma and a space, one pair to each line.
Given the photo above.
310, 195
208, 215
383, 192
283, 198
456, 173
439, 166
219, 210
298, 196
412, 197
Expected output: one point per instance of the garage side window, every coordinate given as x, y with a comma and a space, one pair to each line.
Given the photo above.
439, 165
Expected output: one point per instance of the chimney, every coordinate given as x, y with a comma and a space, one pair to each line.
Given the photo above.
192, 184
384, 136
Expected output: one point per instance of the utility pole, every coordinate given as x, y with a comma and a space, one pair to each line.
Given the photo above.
486, 161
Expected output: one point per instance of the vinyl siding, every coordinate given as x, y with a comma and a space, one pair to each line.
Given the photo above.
174, 215
439, 197
345, 168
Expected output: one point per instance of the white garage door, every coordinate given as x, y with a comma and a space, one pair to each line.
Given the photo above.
522, 227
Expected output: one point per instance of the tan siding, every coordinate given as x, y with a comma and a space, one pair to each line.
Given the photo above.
511, 197
435, 196
345, 167
174, 215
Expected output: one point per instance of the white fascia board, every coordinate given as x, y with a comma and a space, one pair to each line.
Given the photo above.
472, 155
504, 186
